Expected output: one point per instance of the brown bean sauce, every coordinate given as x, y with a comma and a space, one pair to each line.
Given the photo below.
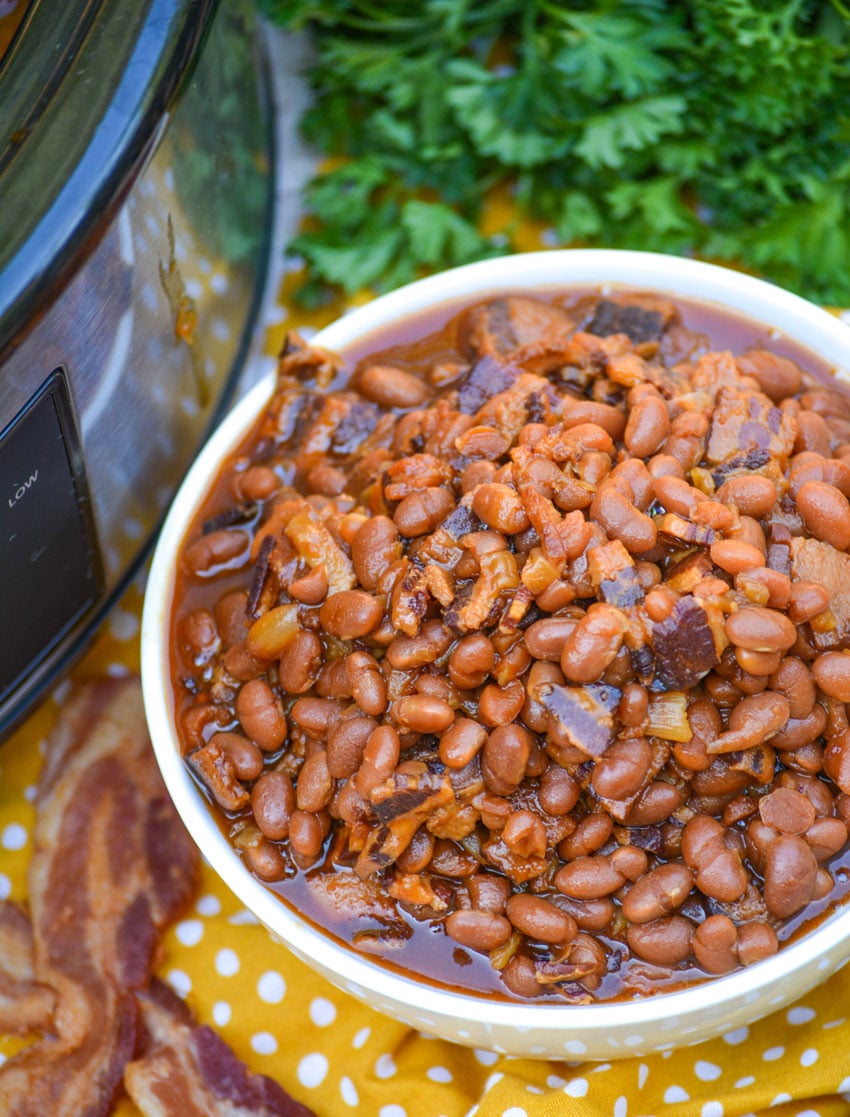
487, 448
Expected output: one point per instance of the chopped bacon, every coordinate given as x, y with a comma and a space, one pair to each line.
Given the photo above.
748, 421
187, 1070
112, 865
25, 1005
816, 561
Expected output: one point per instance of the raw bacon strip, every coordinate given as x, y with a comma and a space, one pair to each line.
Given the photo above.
189, 1071
25, 1006
112, 865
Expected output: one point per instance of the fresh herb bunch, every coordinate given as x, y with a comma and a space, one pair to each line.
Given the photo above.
718, 128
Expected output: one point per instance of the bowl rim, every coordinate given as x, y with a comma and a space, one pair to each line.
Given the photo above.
822, 332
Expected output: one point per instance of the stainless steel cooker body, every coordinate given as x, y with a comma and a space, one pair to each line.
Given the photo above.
135, 194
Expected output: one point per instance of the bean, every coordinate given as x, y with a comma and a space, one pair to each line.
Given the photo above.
489, 891
262, 857
478, 930
258, 482
752, 494
422, 714
379, 758
524, 834
231, 618
557, 792
246, 758
273, 801
346, 745
540, 919
792, 678
812, 434
589, 878
719, 872
655, 804
800, 731
647, 427
594, 642
472, 660
350, 614
305, 836
756, 941
826, 837
660, 892
520, 977
200, 635
420, 512
755, 719
261, 715
825, 512
676, 495
662, 942
622, 769
300, 663
314, 788
831, 672
778, 377
715, 944
545, 639
374, 548
633, 706
621, 520
735, 556
499, 705
760, 630
391, 387
504, 758
229, 548
500, 507
461, 742
591, 833
315, 716
368, 688
787, 810
806, 600
310, 588
790, 873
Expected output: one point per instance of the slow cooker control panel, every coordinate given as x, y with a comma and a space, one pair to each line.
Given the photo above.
51, 566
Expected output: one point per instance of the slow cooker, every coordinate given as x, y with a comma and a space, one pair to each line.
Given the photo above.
135, 199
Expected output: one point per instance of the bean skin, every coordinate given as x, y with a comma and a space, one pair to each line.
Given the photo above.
540, 919
761, 630
831, 672
423, 714
825, 512
504, 758
478, 930
789, 876
658, 893
392, 387
374, 548
350, 614
622, 769
662, 942
273, 801
246, 758
261, 715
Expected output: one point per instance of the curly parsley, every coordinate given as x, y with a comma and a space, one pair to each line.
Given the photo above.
717, 128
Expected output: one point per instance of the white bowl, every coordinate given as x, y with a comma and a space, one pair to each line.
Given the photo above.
598, 1031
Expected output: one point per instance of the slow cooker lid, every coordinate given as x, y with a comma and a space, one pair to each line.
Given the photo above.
85, 89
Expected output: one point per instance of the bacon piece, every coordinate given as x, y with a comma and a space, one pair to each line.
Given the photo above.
112, 865
747, 421
25, 1005
186, 1070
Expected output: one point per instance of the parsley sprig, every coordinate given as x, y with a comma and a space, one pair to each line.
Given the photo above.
718, 128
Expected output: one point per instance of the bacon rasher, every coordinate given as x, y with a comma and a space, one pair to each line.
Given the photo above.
188, 1070
25, 1005
111, 867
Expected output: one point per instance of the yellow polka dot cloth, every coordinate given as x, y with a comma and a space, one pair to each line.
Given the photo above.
339, 1057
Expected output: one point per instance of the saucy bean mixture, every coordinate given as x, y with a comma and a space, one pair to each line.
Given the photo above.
517, 654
